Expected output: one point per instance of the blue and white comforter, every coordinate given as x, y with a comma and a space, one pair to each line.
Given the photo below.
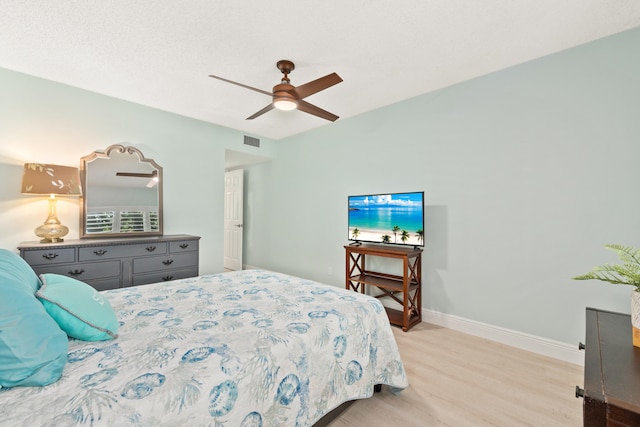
248, 348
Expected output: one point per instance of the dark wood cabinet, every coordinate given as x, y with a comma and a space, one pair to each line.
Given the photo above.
118, 262
611, 390
405, 288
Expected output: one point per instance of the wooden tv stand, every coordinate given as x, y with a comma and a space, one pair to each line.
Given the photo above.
405, 289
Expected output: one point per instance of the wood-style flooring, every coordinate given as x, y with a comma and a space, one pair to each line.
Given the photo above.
460, 380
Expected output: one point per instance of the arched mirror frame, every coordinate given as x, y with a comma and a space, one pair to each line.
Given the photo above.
106, 154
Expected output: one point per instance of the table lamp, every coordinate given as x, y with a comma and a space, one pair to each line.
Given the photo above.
52, 180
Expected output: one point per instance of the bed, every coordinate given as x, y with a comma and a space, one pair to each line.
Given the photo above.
246, 348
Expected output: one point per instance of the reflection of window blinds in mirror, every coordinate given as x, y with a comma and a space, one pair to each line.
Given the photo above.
100, 222
154, 222
122, 219
131, 221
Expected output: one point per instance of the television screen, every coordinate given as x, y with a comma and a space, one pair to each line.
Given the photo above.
396, 218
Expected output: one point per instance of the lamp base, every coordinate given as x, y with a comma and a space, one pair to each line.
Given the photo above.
52, 231
52, 240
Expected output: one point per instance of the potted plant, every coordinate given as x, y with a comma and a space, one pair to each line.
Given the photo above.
627, 273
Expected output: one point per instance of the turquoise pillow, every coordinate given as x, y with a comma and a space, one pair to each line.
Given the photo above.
33, 349
13, 265
80, 310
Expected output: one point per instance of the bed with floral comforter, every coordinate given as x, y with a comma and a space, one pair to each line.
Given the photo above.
247, 348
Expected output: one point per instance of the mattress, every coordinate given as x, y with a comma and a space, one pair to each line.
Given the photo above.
246, 348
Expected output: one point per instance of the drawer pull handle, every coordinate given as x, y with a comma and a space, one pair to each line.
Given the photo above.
579, 392
167, 262
581, 346
150, 248
50, 256
76, 272
100, 252
167, 278
184, 245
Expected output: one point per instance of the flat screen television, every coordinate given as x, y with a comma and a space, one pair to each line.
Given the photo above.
395, 218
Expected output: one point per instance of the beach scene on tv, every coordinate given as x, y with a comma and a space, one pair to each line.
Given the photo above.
387, 218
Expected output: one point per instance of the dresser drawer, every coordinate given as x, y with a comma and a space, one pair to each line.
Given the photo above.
96, 253
164, 276
49, 256
104, 284
183, 246
84, 271
163, 263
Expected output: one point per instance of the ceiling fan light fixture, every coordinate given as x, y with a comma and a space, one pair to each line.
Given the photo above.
283, 99
285, 104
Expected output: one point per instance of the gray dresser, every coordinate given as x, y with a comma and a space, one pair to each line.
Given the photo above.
118, 262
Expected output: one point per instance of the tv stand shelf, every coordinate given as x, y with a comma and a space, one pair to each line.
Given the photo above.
386, 281
405, 289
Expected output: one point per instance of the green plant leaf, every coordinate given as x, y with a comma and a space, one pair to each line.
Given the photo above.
627, 273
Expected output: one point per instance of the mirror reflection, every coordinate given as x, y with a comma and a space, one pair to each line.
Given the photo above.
122, 194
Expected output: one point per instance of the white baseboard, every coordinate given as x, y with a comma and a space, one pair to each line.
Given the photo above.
535, 344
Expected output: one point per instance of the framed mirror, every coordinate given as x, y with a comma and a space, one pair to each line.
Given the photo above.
122, 194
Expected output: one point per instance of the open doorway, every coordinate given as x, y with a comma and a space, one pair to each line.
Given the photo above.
233, 219
235, 164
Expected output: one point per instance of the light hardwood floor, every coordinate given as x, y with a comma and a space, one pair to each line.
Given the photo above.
459, 380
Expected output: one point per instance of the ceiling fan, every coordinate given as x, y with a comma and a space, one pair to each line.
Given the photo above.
288, 97
153, 181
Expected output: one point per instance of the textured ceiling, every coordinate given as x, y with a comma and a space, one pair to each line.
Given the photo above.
159, 53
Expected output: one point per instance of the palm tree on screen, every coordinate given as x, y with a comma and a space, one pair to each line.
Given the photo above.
404, 236
395, 230
386, 239
355, 233
420, 235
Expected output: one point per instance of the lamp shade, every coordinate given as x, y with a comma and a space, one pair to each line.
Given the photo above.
45, 179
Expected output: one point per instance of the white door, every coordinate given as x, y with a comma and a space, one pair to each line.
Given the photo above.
233, 193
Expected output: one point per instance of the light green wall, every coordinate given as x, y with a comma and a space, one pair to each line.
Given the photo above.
528, 172
46, 122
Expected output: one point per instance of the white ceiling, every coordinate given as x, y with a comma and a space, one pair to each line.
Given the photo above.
159, 53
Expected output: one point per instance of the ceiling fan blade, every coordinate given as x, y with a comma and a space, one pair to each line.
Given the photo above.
317, 85
138, 174
241, 85
261, 112
316, 111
